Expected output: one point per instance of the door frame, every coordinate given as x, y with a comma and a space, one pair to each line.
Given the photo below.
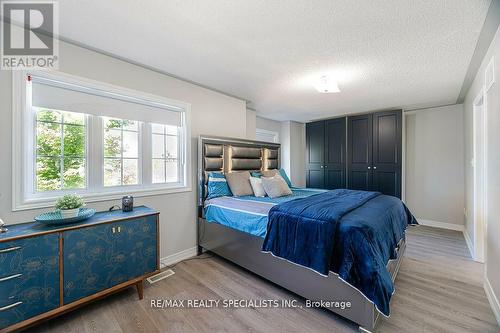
479, 169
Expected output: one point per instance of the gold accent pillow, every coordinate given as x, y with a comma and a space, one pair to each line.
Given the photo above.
239, 183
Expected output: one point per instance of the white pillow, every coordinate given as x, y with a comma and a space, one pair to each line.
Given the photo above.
275, 186
258, 189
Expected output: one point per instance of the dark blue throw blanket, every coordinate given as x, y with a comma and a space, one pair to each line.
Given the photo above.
351, 233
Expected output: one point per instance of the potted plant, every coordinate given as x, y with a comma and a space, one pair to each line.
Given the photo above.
69, 205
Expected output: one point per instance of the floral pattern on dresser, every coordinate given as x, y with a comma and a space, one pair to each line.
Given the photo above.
103, 256
29, 274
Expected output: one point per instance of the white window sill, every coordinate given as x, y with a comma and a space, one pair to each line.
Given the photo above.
48, 202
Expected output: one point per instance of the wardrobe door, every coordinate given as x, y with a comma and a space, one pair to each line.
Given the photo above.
315, 146
387, 143
335, 151
359, 152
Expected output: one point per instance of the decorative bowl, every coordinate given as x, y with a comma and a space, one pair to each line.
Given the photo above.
56, 218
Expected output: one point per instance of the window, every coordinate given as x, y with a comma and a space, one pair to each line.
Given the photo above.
121, 152
266, 136
72, 135
60, 150
165, 153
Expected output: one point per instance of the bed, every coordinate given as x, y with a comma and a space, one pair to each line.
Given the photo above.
248, 213
252, 232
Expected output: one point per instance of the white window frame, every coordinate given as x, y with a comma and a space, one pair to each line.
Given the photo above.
164, 159
23, 165
140, 157
275, 135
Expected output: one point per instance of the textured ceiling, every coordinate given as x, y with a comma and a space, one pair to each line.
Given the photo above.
395, 53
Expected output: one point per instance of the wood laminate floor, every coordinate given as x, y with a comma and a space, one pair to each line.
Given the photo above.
438, 289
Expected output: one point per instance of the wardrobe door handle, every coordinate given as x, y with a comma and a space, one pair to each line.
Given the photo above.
369, 168
321, 167
374, 168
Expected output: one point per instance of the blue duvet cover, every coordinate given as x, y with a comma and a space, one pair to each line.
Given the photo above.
351, 233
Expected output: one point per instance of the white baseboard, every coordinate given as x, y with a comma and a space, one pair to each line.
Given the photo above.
179, 256
442, 225
492, 298
469, 243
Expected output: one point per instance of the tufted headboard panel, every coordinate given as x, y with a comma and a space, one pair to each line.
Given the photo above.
228, 155
213, 157
272, 158
244, 158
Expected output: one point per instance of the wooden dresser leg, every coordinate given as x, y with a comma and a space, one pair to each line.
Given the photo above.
140, 289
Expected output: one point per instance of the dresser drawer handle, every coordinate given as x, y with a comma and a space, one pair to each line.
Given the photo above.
5, 308
10, 249
7, 278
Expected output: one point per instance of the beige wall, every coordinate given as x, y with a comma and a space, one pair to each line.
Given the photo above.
292, 136
492, 164
434, 164
294, 151
251, 120
212, 113
285, 147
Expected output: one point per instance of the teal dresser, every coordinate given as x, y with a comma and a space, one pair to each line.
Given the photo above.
48, 270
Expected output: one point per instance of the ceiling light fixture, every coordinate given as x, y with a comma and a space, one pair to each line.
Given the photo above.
327, 85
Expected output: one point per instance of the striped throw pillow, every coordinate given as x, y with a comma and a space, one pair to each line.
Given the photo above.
217, 185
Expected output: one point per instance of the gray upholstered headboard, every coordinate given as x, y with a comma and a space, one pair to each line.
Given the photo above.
228, 155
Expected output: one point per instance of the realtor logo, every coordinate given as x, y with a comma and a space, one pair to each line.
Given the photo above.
28, 31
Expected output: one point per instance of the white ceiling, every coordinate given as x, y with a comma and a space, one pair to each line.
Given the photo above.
396, 53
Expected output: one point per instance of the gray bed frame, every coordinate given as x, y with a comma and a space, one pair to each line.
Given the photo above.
243, 249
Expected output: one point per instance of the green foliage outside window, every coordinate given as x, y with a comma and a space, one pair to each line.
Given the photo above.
121, 154
61, 151
60, 140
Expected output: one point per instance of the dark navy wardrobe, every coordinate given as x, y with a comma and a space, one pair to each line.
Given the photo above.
361, 152
326, 154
